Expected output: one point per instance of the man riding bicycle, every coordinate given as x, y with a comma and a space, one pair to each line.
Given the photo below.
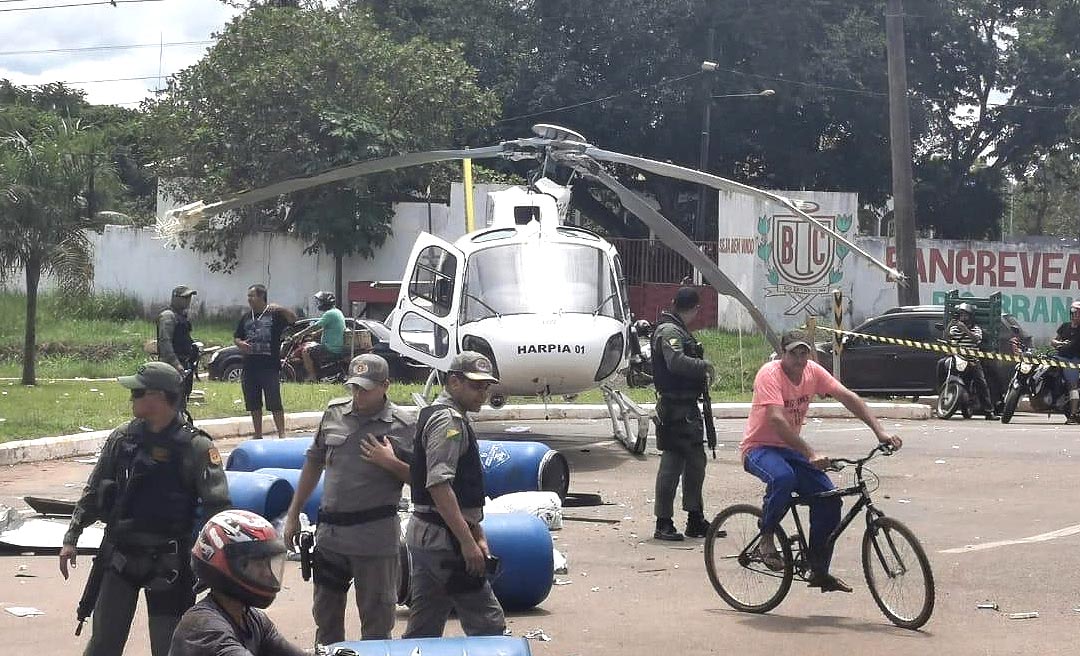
773, 450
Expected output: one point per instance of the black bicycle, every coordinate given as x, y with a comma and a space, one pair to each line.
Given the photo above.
896, 567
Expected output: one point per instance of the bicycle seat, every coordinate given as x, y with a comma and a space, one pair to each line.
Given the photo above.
800, 500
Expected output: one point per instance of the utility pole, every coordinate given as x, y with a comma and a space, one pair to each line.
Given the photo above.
706, 128
900, 145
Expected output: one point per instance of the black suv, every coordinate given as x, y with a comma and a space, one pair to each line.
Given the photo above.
878, 369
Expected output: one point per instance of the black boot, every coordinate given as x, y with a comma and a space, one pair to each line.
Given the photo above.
665, 530
696, 526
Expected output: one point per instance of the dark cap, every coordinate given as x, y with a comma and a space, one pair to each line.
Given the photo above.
474, 366
154, 376
793, 339
368, 371
687, 298
183, 290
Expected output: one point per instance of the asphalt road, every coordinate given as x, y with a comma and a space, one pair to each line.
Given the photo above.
955, 483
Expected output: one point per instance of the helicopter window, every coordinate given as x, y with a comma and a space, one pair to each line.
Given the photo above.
424, 335
577, 232
539, 278
431, 286
525, 214
492, 235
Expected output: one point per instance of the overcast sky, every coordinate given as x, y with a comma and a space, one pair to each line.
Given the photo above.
127, 24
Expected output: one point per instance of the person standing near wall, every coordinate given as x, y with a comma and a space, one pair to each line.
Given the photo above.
258, 336
175, 346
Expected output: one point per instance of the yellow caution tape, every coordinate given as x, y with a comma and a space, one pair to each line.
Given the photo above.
958, 350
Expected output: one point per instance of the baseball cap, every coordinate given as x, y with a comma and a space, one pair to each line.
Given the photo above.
183, 290
687, 298
793, 339
474, 366
368, 371
1074, 306
154, 376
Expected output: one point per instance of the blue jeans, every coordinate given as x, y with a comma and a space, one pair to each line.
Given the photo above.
785, 471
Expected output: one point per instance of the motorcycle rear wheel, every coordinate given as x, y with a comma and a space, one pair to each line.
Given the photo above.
1012, 397
949, 399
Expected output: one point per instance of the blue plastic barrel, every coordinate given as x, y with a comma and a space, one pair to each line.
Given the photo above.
523, 467
463, 646
508, 466
287, 453
311, 508
263, 494
526, 563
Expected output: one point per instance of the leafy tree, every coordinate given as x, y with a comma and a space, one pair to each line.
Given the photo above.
290, 91
53, 183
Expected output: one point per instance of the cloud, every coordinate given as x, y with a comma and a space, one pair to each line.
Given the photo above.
150, 23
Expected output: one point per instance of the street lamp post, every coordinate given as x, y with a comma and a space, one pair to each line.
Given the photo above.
706, 129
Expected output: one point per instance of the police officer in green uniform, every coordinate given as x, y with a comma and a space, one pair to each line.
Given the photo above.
153, 475
174, 344
363, 445
446, 543
679, 374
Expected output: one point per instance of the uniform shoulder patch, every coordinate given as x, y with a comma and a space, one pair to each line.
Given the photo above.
214, 456
674, 342
453, 433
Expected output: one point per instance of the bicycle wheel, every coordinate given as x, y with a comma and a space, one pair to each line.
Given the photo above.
738, 576
898, 573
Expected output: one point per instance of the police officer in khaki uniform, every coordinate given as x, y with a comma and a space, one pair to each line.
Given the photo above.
363, 445
446, 543
679, 375
153, 474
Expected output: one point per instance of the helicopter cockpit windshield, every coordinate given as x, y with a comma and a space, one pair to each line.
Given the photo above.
540, 278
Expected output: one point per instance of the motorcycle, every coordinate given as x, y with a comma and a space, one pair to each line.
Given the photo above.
292, 362
1045, 386
639, 373
956, 387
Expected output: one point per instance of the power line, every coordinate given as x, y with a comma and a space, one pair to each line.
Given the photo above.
104, 47
83, 4
600, 100
115, 79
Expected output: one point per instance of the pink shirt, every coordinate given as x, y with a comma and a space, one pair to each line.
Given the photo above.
773, 387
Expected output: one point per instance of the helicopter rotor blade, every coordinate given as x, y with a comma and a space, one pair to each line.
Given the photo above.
676, 240
716, 182
189, 216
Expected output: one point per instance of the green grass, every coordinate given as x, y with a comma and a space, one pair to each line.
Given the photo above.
102, 336
97, 336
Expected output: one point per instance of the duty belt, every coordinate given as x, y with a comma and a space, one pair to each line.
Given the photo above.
680, 397
356, 517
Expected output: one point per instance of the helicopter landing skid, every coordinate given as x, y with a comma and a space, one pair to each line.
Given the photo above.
629, 421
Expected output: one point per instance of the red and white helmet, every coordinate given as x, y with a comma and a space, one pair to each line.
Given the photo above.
239, 554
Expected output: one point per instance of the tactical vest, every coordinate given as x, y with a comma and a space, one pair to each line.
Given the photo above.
468, 484
154, 496
181, 339
663, 379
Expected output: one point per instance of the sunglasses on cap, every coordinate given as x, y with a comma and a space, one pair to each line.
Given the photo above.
139, 393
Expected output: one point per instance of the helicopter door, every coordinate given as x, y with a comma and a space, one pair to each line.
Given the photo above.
425, 321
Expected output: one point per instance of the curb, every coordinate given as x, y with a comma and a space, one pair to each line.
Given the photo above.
81, 444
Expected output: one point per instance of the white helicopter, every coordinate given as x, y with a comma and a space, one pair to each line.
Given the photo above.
545, 300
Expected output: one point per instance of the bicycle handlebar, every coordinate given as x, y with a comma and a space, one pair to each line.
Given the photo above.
838, 464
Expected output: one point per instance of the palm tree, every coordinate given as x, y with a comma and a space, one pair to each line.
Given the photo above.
53, 177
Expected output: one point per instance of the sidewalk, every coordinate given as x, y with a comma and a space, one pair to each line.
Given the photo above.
81, 444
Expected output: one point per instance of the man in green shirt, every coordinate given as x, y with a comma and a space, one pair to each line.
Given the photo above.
332, 343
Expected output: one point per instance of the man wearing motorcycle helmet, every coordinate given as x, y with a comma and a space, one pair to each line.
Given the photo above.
964, 332
1067, 344
332, 343
239, 558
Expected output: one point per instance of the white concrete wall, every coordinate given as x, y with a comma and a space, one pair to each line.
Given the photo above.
132, 261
